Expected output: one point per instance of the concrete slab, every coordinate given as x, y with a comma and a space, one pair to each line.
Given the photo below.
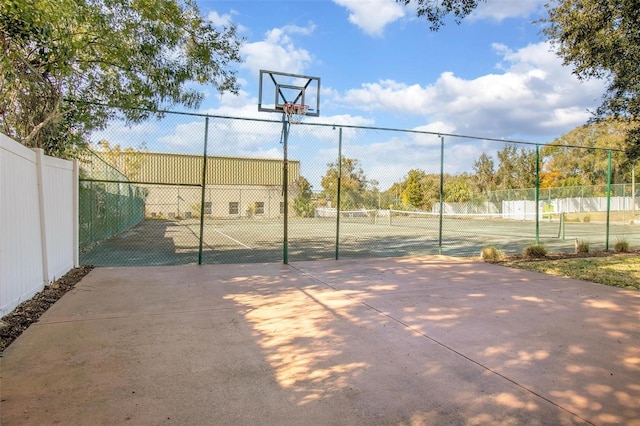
427, 340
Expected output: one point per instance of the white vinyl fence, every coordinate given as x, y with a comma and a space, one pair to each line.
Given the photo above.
38, 221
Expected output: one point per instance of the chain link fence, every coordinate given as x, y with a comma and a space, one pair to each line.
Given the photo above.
210, 189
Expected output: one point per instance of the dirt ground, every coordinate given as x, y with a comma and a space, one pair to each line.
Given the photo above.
29, 311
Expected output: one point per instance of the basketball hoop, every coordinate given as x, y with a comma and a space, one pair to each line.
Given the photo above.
295, 112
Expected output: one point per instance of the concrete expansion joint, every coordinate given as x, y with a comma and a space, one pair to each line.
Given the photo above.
445, 346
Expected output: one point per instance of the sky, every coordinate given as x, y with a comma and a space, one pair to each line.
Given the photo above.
492, 76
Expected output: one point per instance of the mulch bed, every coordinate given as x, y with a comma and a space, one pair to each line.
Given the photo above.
29, 311
515, 258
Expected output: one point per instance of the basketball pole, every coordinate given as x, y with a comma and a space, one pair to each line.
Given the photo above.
338, 195
204, 184
285, 189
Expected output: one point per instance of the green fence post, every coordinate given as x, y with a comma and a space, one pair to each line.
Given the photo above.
606, 246
204, 178
338, 197
537, 194
441, 193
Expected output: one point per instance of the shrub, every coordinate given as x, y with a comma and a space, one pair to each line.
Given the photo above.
582, 247
621, 246
535, 250
491, 254
586, 218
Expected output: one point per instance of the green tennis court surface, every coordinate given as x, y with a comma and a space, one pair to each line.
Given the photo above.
361, 235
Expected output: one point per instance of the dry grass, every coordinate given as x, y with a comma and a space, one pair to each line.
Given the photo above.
613, 269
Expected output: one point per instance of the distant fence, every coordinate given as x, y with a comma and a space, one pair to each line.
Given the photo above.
108, 204
38, 221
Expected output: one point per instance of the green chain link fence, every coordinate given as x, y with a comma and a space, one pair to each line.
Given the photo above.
108, 203
209, 189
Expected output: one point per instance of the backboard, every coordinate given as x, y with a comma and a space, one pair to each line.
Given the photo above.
277, 89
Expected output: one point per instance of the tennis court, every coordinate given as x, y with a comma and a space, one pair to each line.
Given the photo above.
362, 234
426, 340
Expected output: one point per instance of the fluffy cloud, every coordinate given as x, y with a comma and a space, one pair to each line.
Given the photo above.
533, 95
372, 15
498, 10
278, 51
220, 20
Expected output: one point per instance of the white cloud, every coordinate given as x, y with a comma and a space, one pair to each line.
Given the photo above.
278, 51
372, 16
125, 135
533, 95
219, 20
499, 10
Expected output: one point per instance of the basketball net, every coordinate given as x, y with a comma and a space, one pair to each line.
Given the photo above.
295, 112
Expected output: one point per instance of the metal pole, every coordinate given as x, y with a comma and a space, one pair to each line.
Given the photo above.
633, 191
441, 193
202, 194
606, 246
338, 198
537, 194
285, 190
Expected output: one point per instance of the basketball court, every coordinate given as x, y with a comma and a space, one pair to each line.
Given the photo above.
414, 340
406, 341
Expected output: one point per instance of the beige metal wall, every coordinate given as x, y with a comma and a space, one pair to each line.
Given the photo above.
187, 169
246, 181
171, 202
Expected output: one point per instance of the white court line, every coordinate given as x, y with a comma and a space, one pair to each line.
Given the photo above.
232, 239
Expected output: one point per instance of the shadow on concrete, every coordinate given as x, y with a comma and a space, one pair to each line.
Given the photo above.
420, 341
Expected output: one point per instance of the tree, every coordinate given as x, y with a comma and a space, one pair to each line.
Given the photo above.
601, 39
580, 157
435, 11
457, 189
516, 168
484, 173
303, 198
420, 190
135, 55
126, 160
353, 184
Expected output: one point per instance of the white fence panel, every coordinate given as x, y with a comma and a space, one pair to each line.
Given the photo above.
59, 194
25, 186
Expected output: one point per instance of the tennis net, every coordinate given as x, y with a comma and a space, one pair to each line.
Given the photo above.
422, 219
348, 216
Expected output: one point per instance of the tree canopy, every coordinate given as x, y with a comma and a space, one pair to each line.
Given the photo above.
138, 55
601, 39
565, 165
353, 183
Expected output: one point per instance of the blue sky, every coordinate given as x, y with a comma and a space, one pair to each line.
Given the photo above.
491, 76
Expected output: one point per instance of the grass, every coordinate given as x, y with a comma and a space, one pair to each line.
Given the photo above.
618, 270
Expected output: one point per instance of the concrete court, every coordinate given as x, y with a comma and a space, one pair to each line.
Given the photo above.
402, 341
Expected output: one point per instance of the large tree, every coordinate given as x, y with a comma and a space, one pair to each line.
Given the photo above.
420, 190
62, 61
580, 157
516, 168
601, 39
302, 191
353, 183
484, 173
